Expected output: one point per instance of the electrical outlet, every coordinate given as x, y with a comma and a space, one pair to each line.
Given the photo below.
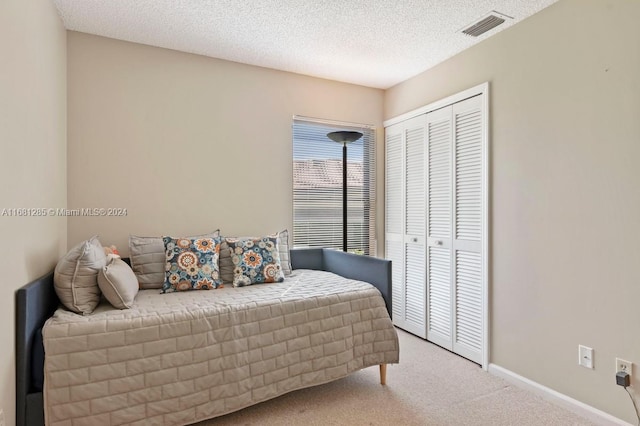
625, 366
585, 356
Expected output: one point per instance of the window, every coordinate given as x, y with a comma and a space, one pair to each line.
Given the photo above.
317, 186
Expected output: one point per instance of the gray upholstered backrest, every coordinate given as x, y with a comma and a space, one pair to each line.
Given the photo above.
310, 258
35, 302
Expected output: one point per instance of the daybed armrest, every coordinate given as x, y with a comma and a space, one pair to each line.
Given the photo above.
353, 266
363, 268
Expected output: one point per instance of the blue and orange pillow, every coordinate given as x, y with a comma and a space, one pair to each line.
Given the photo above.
191, 264
255, 260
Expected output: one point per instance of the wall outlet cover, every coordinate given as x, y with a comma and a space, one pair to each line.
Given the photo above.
585, 356
624, 366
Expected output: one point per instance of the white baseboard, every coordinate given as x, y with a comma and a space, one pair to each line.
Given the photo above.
573, 405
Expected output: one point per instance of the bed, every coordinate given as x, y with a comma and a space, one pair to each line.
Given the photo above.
181, 365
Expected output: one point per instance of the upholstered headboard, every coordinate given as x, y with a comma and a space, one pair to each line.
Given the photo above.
35, 302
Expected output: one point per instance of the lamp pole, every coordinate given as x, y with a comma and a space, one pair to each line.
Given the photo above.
344, 137
344, 196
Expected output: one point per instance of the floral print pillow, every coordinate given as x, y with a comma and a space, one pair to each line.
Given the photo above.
192, 264
255, 260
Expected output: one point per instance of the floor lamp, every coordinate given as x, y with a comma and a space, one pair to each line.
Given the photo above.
344, 137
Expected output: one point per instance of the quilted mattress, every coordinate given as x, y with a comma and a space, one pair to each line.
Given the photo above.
175, 359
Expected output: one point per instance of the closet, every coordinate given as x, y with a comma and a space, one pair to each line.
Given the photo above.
436, 222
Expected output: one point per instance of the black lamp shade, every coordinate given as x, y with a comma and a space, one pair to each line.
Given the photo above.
344, 136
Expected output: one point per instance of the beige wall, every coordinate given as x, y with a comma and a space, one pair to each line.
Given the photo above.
188, 144
32, 159
565, 190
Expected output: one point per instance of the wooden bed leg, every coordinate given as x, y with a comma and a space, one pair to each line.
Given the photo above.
383, 374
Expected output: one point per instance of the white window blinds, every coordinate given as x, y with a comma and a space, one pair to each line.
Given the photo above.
317, 187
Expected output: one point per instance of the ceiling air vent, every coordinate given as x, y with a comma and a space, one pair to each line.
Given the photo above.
489, 22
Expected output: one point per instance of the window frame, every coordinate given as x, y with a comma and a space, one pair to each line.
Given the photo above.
363, 238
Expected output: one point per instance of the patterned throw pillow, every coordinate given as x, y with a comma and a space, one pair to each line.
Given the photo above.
255, 260
192, 264
226, 265
147, 255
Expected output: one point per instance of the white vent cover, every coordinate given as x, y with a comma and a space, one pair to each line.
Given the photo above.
486, 23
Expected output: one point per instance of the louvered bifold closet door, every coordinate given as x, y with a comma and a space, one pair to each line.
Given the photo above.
436, 223
439, 226
394, 201
468, 220
414, 238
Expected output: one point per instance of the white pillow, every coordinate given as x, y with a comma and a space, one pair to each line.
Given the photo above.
118, 283
283, 249
75, 278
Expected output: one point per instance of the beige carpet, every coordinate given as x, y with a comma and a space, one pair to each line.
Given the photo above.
430, 386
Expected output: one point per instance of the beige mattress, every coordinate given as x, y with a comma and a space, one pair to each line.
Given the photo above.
178, 358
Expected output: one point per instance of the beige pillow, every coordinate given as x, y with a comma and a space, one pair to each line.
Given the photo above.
226, 265
148, 258
118, 283
283, 249
75, 278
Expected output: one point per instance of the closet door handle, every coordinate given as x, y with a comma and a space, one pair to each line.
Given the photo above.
438, 242
414, 240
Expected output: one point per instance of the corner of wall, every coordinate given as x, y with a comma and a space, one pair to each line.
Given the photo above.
33, 128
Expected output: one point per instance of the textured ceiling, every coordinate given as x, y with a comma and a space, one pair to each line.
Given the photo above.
376, 43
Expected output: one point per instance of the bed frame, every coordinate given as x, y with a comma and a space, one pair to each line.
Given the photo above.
37, 301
